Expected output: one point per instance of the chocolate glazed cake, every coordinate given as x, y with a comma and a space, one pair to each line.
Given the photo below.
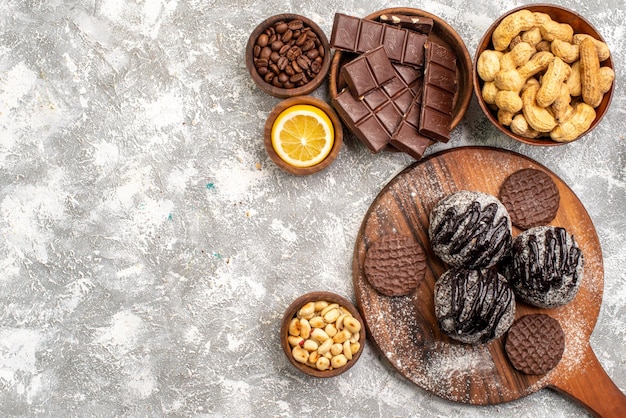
470, 229
473, 306
545, 268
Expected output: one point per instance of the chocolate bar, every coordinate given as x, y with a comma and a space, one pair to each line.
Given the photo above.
352, 34
417, 23
377, 116
439, 90
368, 72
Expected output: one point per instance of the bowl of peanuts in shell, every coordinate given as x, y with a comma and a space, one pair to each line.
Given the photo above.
322, 334
543, 75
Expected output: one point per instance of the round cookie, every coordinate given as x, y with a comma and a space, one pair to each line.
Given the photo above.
470, 229
545, 267
531, 198
395, 265
473, 306
535, 344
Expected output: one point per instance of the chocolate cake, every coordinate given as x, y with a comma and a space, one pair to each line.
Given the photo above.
535, 344
545, 267
470, 229
473, 305
531, 197
395, 265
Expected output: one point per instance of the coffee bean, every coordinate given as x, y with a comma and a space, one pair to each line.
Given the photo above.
288, 85
276, 82
282, 63
303, 62
276, 45
283, 78
269, 77
281, 27
316, 66
296, 24
296, 67
284, 49
262, 40
265, 53
289, 70
262, 71
274, 69
308, 45
295, 78
321, 50
301, 39
287, 35
261, 62
312, 53
293, 53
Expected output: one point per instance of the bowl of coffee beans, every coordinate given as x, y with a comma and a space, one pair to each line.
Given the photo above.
288, 55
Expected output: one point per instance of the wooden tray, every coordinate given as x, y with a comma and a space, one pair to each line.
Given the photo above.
405, 330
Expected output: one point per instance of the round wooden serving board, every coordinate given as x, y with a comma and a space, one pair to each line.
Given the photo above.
405, 330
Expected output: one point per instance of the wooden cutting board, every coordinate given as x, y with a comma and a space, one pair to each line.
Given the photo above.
405, 330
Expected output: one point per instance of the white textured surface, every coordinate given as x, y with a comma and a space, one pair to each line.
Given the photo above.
149, 246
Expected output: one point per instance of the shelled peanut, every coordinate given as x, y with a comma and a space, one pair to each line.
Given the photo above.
541, 78
324, 335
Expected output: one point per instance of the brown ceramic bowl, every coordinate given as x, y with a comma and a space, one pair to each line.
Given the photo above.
280, 91
292, 101
291, 313
442, 33
558, 14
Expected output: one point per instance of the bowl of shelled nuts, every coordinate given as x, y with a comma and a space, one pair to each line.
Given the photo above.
287, 55
322, 334
543, 75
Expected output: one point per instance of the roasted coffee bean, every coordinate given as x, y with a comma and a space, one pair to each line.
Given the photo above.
295, 78
276, 82
293, 53
261, 62
283, 78
301, 39
321, 50
265, 53
274, 69
256, 51
296, 24
296, 67
269, 77
316, 66
281, 27
288, 85
262, 40
308, 45
287, 35
312, 53
262, 71
282, 63
276, 45
289, 70
303, 62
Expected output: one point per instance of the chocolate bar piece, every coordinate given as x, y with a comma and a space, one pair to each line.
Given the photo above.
368, 72
416, 23
376, 117
352, 34
407, 137
439, 90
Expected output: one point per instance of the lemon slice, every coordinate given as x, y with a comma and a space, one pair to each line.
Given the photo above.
303, 135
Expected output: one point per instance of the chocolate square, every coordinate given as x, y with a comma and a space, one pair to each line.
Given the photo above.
367, 72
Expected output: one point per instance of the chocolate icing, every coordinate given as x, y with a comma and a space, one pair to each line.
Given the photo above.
475, 234
477, 300
545, 268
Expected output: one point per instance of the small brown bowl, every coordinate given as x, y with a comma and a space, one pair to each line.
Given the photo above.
284, 104
558, 14
291, 313
443, 34
280, 91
